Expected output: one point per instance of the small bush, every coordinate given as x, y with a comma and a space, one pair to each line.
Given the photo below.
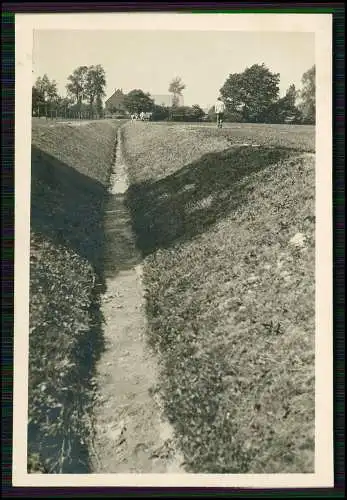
186, 114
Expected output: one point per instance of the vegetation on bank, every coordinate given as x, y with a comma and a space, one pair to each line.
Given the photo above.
70, 173
228, 232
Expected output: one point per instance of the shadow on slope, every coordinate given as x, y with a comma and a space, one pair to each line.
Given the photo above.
186, 203
67, 226
67, 207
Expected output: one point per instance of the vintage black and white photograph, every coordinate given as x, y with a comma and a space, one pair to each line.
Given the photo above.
172, 317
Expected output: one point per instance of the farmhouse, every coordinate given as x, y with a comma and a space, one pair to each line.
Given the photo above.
115, 103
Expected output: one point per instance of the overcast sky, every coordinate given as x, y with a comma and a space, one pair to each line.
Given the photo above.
150, 59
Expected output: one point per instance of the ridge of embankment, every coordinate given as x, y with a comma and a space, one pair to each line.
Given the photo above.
71, 165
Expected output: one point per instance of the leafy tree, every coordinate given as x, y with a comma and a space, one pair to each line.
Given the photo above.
76, 86
290, 96
187, 113
251, 93
137, 100
176, 87
87, 83
284, 110
308, 96
288, 110
37, 100
95, 87
160, 113
52, 92
99, 106
64, 105
46, 88
197, 112
44, 95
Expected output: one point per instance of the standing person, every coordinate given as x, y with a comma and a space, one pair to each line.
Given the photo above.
219, 108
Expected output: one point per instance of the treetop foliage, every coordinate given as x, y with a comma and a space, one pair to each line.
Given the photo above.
253, 96
175, 88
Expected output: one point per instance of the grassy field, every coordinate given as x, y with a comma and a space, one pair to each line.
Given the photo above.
228, 236
71, 166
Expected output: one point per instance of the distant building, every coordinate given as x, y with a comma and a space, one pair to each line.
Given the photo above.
162, 100
166, 100
115, 103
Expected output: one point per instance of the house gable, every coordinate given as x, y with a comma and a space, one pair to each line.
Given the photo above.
116, 101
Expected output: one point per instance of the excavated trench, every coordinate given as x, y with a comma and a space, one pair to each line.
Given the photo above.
131, 432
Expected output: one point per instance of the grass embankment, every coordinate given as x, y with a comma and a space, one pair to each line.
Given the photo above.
230, 299
71, 167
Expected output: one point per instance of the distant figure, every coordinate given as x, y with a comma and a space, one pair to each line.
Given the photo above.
219, 108
142, 116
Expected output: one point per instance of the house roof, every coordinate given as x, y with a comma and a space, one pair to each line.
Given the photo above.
117, 93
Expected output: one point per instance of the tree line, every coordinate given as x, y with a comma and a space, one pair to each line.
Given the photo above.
253, 96
85, 91
137, 100
250, 96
